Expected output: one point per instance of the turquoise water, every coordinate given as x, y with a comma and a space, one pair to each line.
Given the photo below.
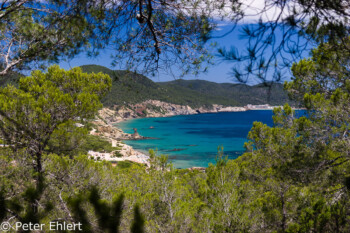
193, 140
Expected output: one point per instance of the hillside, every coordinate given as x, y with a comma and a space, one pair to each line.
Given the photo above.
132, 88
242, 94
129, 87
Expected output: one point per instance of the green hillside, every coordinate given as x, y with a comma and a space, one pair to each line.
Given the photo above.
240, 93
129, 87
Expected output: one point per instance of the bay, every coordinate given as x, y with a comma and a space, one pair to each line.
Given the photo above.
193, 140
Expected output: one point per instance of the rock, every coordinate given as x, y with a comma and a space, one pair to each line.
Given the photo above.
197, 168
135, 135
156, 108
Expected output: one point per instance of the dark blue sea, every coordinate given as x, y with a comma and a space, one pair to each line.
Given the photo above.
193, 140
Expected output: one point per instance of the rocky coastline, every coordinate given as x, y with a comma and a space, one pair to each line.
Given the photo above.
115, 136
107, 117
156, 108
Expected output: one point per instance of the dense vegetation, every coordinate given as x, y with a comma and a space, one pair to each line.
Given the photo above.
294, 176
128, 87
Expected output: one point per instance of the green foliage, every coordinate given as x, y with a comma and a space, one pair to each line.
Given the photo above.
125, 164
38, 118
305, 161
221, 159
294, 176
45, 104
95, 143
67, 139
117, 154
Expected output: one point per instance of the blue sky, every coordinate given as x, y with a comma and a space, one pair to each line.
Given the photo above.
220, 72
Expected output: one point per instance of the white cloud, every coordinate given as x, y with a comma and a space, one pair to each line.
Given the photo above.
266, 10
269, 11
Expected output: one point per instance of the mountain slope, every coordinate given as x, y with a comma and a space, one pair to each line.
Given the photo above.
132, 88
129, 87
243, 94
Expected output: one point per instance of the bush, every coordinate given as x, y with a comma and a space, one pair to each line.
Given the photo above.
96, 143
117, 154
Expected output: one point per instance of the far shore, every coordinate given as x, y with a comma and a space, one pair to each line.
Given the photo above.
161, 116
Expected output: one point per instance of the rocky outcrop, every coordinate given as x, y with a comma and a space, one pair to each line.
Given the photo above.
135, 134
114, 135
109, 116
125, 152
106, 130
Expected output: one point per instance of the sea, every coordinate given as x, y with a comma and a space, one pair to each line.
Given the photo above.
193, 140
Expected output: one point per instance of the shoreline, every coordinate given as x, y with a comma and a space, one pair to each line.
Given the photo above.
109, 118
128, 119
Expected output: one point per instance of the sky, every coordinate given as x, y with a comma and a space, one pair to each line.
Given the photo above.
219, 72
216, 73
